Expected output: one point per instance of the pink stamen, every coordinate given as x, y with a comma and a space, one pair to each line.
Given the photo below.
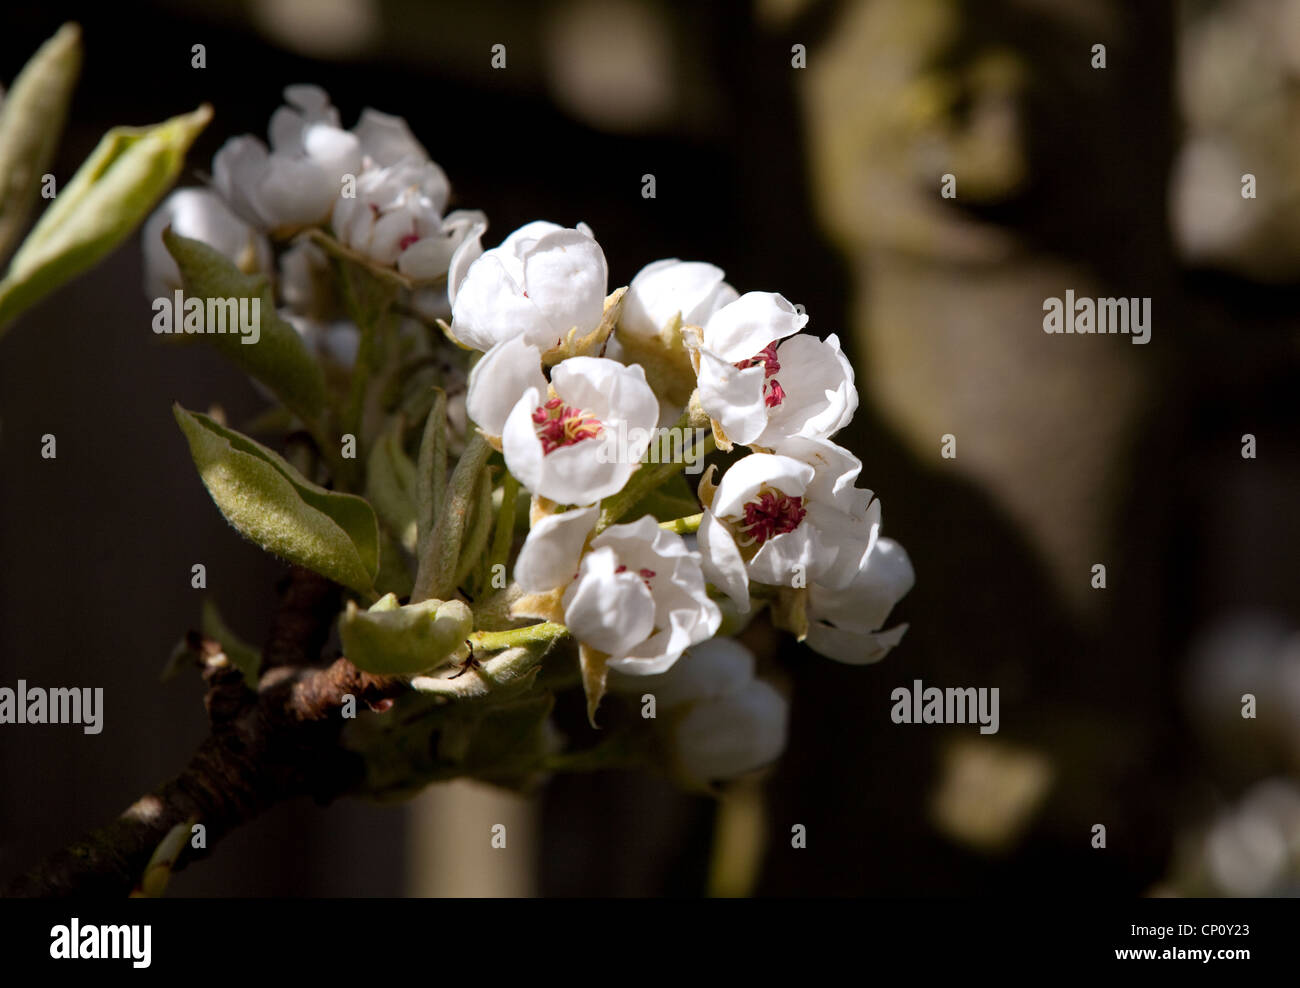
773, 393
771, 514
766, 357
559, 425
646, 575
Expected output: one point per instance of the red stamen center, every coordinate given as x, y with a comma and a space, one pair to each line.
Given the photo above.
773, 393
560, 425
646, 575
772, 513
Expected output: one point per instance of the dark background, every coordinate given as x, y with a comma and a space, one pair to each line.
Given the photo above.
98, 543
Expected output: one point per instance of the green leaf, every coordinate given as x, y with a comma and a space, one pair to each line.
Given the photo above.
31, 121
394, 640
279, 359
440, 557
270, 502
243, 656
432, 470
672, 499
112, 192
391, 485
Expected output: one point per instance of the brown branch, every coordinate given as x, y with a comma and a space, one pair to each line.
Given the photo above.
265, 747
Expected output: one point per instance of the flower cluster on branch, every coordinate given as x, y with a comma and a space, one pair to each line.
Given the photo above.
499, 446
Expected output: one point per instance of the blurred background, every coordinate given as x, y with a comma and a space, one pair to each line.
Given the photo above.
1119, 707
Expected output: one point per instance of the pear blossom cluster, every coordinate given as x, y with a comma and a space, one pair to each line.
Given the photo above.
569, 372
373, 190
568, 381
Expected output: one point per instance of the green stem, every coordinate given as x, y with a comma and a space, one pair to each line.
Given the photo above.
683, 526
649, 476
543, 633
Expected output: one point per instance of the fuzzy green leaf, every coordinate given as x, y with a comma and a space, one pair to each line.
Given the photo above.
112, 192
31, 121
391, 485
279, 359
269, 501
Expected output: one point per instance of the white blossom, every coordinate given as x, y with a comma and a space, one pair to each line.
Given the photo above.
541, 282
639, 597
663, 289
762, 391
297, 181
844, 624
396, 219
780, 520
723, 720
575, 439
198, 214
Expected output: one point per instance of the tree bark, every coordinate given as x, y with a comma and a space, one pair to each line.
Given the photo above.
265, 746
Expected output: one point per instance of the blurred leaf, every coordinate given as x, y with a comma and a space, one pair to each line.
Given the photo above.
279, 359
242, 656
270, 502
396, 640
112, 192
672, 499
509, 741
395, 575
31, 121
391, 485
431, 471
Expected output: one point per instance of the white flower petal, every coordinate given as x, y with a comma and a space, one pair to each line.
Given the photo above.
836, 470
740, 330
469, 251
721, 560
519, 443
782, 556
666, 288
820, 398
742, 482
565, 275
582, 473
733, 396
199, 214
238, 169
610, 391
864, 605
490, 307
742, 731
386, 139
852, 647
499, 380
707, 671
553, 550
608, 610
